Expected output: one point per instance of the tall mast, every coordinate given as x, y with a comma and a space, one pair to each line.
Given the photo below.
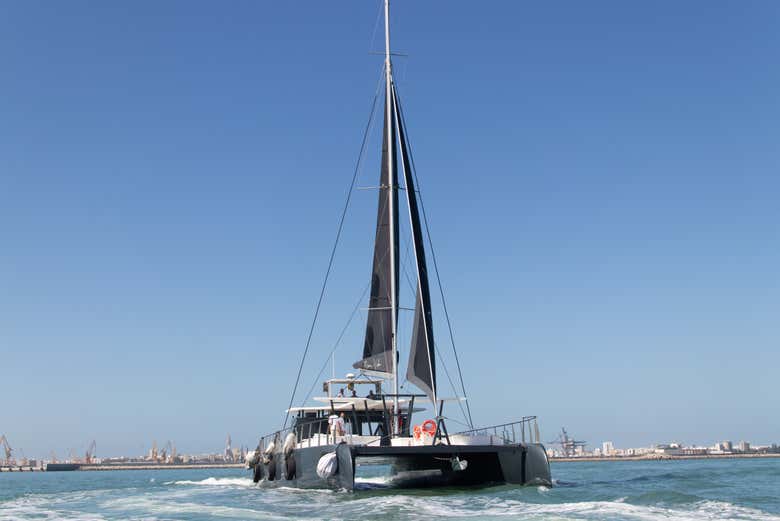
393, 218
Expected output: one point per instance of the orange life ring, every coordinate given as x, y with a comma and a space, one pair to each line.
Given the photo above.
417, 432
429, 426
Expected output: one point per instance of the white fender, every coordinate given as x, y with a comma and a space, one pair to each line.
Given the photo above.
268, 453
289, 443
252, 457
328, 465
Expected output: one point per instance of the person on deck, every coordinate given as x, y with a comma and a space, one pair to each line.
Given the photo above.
339, 428
341, 393
331, 428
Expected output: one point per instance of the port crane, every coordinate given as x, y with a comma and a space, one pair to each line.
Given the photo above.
568, 444
90, 455
7, 448
167, 453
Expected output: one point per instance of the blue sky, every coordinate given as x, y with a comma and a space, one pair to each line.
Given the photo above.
601, 182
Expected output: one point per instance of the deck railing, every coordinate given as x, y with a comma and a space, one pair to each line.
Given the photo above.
525, 430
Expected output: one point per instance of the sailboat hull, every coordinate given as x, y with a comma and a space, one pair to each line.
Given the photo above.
416, 466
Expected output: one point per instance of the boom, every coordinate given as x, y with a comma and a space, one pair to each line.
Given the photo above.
90, 455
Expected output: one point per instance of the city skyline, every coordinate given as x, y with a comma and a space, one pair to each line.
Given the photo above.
601, 186
554, 448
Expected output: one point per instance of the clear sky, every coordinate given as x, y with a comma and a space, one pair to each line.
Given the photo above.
601, 180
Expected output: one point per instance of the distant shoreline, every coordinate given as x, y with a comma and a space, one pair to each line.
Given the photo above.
76, 467
664, 457
162, 467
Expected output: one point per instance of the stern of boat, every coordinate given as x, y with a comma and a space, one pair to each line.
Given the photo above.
526, 465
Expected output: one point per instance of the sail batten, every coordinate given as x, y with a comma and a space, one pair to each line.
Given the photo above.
380, 327
422, 361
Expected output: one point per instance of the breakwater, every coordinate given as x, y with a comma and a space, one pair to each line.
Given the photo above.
148, 466
667, 457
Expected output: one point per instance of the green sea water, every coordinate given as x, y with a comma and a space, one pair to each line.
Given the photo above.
738, 489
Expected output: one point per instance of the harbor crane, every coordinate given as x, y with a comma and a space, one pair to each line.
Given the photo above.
90, 455
567, 444
167, 453
7, 448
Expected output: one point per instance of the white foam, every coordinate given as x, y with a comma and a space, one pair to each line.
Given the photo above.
375, 480
487, 507
231, 497
163, 506
43, 507
216, 482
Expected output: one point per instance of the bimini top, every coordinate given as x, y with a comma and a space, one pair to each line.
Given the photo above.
348, 404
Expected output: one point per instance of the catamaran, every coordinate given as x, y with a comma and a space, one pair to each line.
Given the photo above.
327, 442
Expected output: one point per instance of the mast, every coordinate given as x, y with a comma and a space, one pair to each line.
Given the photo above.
393, 217
379, 348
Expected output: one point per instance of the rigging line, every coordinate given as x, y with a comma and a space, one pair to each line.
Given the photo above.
366, 133
405, 265
338, 341
376, 24
435, 264
450, 418
447, 372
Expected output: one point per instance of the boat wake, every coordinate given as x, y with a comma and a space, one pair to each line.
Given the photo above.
227, 498
216, 482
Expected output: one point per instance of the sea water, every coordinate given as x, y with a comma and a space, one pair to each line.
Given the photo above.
739, 489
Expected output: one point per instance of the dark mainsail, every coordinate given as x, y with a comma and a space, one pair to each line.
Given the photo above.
422, 361
378, 345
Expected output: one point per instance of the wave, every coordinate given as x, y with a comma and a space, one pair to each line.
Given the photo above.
376, 480
217, 482
45, 507
145, 508
496, 508
234, 497
283, 505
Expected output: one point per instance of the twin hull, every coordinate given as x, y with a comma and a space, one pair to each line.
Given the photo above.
416, 466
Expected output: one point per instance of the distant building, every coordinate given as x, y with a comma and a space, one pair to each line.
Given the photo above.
694, 451
671, 449
608, 448
744, 446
